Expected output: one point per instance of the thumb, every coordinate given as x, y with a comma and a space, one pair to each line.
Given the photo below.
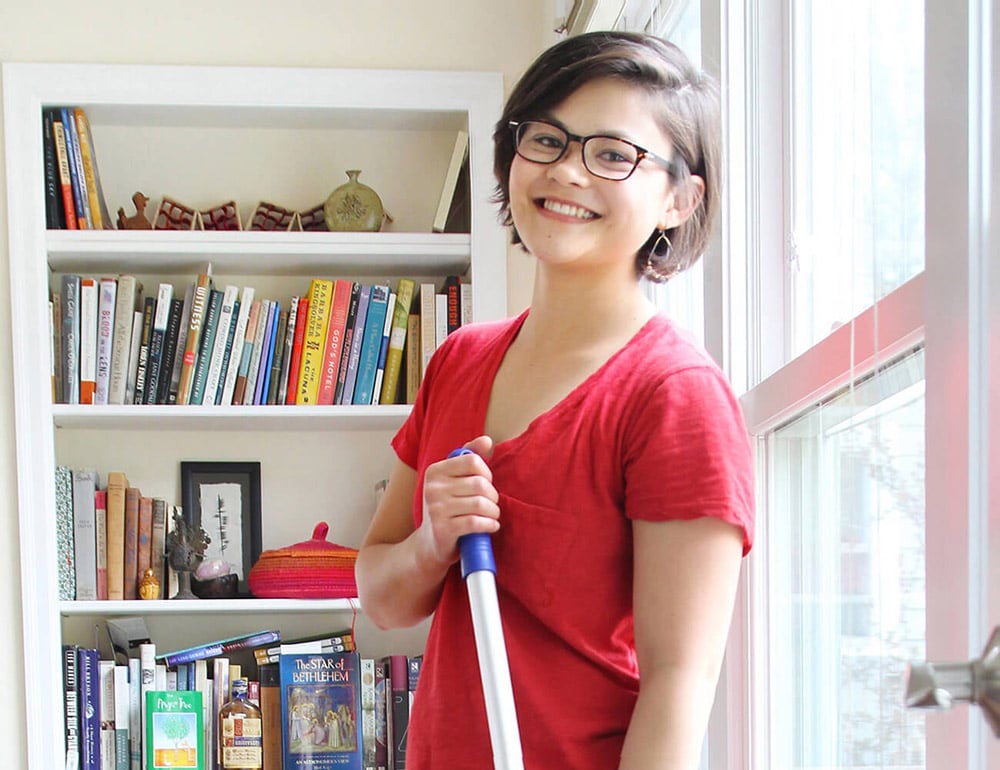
481, 445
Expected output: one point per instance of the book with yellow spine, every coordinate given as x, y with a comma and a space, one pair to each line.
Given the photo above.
397, 340
314, 341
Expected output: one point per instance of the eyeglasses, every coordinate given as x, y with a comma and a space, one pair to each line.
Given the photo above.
607, 157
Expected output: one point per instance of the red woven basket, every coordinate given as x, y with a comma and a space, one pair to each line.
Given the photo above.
312, 569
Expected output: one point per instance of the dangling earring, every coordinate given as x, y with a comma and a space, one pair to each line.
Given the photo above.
660, 251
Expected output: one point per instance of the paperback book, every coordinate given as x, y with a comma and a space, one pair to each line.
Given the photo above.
174, 730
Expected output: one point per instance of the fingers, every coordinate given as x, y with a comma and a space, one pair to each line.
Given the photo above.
481, 445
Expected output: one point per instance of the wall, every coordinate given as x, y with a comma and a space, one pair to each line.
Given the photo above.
427, 34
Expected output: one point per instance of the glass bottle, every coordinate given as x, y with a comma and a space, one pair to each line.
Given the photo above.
240, 735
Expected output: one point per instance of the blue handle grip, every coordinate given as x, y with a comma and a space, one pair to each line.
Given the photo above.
476, 548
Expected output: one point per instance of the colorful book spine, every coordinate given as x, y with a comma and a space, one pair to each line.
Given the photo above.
235, 356
239, 389
207, 346
135, 345
70, 299
397, 341
65, 545
354, 350
142, 365
230, 298
267, 353
427, 329
368, 761
88, 166
371, 344
181, 344
286, 363
131, 561
257, 351
75, 169
88, 339
174, 730
192, 344
144, 549
123, 750
65, 180
88, 675
314, 341
334, 340
383, 350
220, 647
399, 682
277, 357
295, 363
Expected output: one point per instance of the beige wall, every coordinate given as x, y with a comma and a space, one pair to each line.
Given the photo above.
499, 35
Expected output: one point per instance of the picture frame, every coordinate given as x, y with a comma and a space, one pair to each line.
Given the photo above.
223, 498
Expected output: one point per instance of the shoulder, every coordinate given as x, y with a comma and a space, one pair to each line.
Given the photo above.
663, 354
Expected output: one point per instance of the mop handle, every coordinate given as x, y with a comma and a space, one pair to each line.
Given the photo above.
479, 572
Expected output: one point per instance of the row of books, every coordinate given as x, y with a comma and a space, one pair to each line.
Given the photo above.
322, 705
74, 198
343, 342
108, 535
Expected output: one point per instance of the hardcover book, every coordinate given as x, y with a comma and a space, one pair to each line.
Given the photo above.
314, 342
174, 730
55, 218
321, 711
108, 290
64, 533
397, 341
192, 343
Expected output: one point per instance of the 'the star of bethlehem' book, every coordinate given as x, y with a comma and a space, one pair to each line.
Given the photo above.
321, 710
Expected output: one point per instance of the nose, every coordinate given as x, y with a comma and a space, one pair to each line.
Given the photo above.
570, 168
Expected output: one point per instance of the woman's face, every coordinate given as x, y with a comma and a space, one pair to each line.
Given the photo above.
567, 216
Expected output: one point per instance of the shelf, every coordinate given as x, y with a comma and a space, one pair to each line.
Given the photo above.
208, 606
310, 254
229, 418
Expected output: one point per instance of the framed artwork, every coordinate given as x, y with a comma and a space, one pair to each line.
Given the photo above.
223, 498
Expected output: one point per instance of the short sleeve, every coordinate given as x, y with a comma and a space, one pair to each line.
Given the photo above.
687, 453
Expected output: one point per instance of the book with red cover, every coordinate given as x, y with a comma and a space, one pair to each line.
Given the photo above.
296, 359
131, 584
334, 340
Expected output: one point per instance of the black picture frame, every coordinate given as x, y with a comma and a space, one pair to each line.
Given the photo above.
236, 487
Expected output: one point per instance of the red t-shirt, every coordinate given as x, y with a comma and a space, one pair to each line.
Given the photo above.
654, 434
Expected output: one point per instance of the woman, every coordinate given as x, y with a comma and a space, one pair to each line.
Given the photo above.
611, 460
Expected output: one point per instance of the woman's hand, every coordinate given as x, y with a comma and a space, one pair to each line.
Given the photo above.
458, 498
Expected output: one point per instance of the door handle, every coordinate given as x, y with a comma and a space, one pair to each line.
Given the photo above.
942, 685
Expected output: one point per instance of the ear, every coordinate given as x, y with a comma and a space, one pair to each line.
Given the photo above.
682, 202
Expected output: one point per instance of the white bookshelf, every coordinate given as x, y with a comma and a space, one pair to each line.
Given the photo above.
204, 135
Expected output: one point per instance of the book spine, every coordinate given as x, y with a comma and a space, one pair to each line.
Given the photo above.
239, 390
413, 355
117, 484
101, 524
57, 352
65, 180
87, 162
458, 154
72, 158
142, 369
192, 344
357, 338
106, 679
90, 709
383, 351
230, 296
314, 341
182, 333
277, 358
169, 350
102, 206
85, 533
88, 339
266, 351
256, 351
135, 347
122, 696
270, 714
286, 354
235, 357
121, 338
54, 217
70, 298
452, 292
130, 584
371, 344
400, 708
295, 363
208, 331
368, 713
334, 340
71, 701
64, 533
147, 683
144, 548
427, 326
397, 341
203, 651
157, 339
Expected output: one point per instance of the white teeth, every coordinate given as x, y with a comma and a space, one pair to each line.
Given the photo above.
566, 210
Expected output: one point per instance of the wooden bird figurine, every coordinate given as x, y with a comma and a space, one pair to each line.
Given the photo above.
137, 221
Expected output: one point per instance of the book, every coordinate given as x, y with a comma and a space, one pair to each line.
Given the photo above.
106, 680
368, 754
342, 290
259, 343
427, 324
230, 297
277, 358
192, 343
399, 683
117, 484
88, 163
157, 342
142, 365
103, 217
80, 203
239, 388
174, 730
88, 339
65, 545
383, 350
371, 344
70, 300
452, 292
89, 699
266, 353
383, 709
126, 295
413, 357
353, 350
55, 305
135, 713
295, 362
157, 545
144, 548
459, 153
181, 344
465, 294
55, 219
314, 340
270, 713
397, 341
286, 363
239, 335
169, 349
219, 647
135, 346
122, 719
62, 164
321, 710
345, 348
459, 218
339, 641
206, 347
71, 700
221, 679
101, 536
85, 534
130, 563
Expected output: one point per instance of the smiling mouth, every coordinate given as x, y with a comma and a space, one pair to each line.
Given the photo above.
567, 210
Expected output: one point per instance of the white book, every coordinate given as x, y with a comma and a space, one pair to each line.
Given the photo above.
88, 340
427, 326
147, 682
286, 353
255, 353
157, 336
133, 356
85, 534
203, 684
458, 155
106, 677
122, 717
440, 319
135, 713
232, 371
160, 677
384, 349
465, 301
105, 337
229, 297
121, 343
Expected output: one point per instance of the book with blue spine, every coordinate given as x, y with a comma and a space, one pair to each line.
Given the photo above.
89, 683
321, 711
219, 647
354, 351
371, 344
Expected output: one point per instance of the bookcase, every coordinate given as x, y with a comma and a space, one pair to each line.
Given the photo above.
205, 135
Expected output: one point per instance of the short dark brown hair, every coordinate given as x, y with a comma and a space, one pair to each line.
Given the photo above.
689, 116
